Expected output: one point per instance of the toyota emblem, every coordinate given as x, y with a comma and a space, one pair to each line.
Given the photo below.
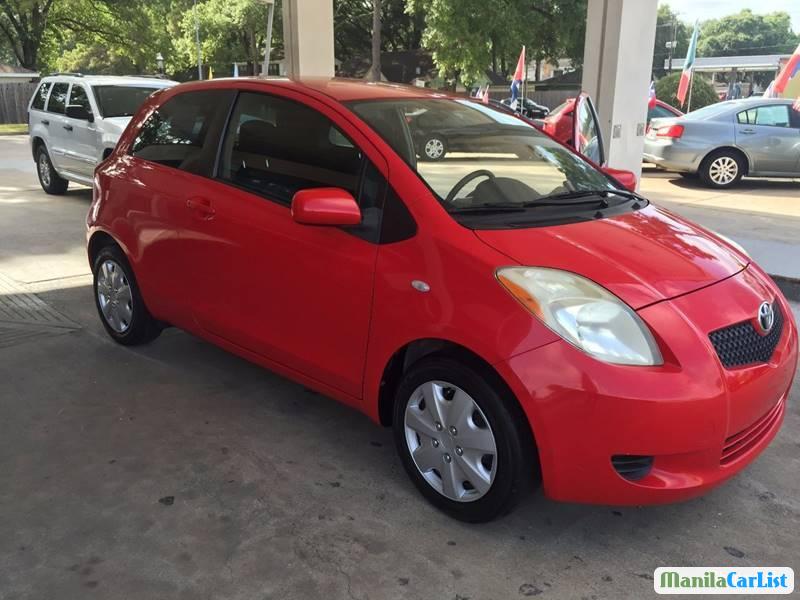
766, 317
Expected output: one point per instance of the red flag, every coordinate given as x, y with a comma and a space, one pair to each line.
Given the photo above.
651, 96
485, 96
796, 105
688, 68
789, 70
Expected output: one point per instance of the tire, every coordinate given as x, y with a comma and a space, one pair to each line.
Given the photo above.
688, 175
487, 488
722, 169
433, 148
119, 302
50, 181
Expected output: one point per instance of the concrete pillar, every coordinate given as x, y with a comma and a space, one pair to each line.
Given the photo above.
308, 38
617, 69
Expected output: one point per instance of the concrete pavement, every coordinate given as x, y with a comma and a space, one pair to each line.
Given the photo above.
175, 470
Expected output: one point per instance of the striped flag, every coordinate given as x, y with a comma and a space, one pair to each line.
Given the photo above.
651, 96
688, 67
516, 83
789, 70
796, 105
485, 97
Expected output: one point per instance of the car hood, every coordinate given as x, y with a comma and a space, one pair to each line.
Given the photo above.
642, 257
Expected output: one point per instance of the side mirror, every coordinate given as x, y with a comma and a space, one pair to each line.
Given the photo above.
325, 206
76, 111
626, 178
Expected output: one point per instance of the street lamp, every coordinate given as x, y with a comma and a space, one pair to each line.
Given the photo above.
160, 63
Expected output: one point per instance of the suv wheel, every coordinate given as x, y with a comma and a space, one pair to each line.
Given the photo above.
459, 442
48, 178
118, 301
722, 169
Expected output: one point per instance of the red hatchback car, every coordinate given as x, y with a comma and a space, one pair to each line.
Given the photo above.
511, 311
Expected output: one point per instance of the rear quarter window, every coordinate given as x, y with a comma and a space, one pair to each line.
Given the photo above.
40, 96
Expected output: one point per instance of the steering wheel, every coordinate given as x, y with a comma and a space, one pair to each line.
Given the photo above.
465, 180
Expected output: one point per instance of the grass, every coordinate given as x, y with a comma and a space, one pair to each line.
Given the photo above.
13, 128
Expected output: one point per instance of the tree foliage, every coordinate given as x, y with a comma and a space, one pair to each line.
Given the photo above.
467, 36
23, 24
746, 33
703, 92
668, 25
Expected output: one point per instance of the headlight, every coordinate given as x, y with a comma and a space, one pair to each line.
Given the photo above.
584, 314
736, 245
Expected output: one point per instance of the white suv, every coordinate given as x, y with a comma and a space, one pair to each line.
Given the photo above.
75, 122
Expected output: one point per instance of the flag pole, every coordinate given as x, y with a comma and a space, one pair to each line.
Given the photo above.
524, 79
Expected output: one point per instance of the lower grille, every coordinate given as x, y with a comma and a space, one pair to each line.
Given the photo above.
738, 444
741, 344
632, 467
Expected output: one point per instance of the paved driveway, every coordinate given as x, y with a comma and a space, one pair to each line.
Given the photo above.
178, 471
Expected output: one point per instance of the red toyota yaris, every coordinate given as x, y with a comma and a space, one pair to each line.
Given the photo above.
511, 310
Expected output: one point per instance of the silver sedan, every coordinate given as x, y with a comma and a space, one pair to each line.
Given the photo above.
721, 143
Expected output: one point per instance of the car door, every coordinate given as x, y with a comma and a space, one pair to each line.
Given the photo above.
586, 136
167, 164
81, 147
766, 133
56, 124
296, 294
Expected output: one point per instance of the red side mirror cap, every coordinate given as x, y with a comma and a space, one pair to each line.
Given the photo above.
325, 206
626, 178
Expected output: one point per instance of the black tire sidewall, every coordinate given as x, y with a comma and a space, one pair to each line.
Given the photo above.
58, 185
514, 474
705, 166
143, 327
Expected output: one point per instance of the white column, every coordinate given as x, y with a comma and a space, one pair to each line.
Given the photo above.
308, 37
617, 65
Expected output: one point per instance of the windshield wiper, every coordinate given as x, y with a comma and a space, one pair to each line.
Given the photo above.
575, 198
488, 209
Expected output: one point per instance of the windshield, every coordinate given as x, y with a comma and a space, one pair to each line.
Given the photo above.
473, 156
121, 100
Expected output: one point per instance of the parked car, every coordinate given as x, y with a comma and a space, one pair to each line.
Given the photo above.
529, 108
757, 137
76, 120
559, 122
513, 313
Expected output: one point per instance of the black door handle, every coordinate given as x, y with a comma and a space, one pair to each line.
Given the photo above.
68, 127
45, 122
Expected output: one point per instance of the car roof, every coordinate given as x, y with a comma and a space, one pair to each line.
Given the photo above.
133, 81
337, 88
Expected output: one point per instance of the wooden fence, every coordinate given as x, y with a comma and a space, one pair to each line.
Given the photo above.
14, 98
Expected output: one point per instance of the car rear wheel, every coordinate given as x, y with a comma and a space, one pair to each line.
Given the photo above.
459, 442
722, 169
434, 148
48, 178
119, 303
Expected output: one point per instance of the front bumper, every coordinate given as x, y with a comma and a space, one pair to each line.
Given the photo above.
687, 413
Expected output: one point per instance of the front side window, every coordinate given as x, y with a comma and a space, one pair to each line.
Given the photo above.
58, 98
40, 97
121, 100
494, 164
776, 115
275, 147
175, 134
78, 97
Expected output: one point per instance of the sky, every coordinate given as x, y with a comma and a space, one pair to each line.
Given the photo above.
690, 10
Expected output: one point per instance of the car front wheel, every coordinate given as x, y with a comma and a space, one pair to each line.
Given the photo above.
434, 148
459, 442
50, 181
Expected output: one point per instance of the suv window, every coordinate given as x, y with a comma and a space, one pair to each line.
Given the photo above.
40, 97
175, 134
58, 98
275, 147
77, 96
776, 115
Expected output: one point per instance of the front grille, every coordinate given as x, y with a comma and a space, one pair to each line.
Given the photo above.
740, 344
738, 444
632, 467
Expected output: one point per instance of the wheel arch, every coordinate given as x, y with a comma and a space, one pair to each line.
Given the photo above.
36, 142
99, 240
732, 149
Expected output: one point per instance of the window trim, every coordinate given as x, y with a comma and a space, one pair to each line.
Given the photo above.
88, 97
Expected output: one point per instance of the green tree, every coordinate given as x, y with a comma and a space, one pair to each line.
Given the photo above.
746, 33
23, 24
467, 37
669, 26
703, 92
